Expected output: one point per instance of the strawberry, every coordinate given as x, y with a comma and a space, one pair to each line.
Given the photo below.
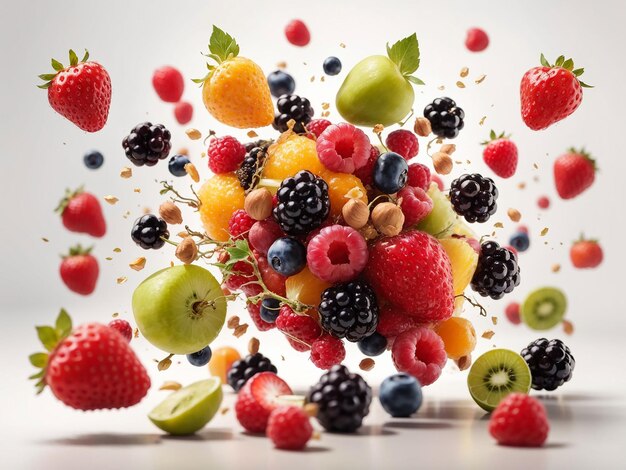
500, 154
79, 270
81, 212
412, 272
550, 93
574, 172
80, 92
258, 398
586, 253
89, 368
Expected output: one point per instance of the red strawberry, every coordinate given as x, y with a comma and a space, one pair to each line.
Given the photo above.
169, 83
80, 92
500, 155
550, 93
586, 253
412, 272
89, 368
573, 173
79, 270
81, 212
257, 399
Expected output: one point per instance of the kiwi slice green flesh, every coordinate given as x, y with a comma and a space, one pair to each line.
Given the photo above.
544, 308
495, 374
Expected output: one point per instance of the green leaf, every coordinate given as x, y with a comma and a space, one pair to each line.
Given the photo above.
405, 54
47, 76
38, 360
568, 64
47, 336
86, 56
543, 61
37, 375
492, 135
584, 85
222, 44
73, 58
578, 72
44, 86
63, 325
559, 60
413, 79
56, 65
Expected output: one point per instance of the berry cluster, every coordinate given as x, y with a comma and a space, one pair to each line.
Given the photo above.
474, 197
551, 363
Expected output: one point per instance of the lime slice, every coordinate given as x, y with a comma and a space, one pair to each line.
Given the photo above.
189, 409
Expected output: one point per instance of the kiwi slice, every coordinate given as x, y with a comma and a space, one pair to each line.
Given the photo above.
495, 374
544, 308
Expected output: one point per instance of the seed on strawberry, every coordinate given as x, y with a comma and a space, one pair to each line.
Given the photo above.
337, 254
500, 154
476, 40
297, 33
327, 351
225, 154
586, 253
403, 142
168, 83
574, 172
419, 352
79, 270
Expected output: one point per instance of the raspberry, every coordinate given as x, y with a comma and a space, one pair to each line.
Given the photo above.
343, 148
512, 313
289, 428
225, 154
317, 126
415, 205
438, 181
299, 326
337, 254
257, 399
403, 142
255, 313
297, 33
263, 233
366, 172
419, 176
519, 420
183, 112
327, 351
476, 40
543, 202
241, 274
123, 327
392, 322
169, 84
420, 353
240, 224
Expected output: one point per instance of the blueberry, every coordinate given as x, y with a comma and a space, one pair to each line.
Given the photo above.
332, 66
270, 308
177, 165
200, 358
520, 241
373, 345
287, 256
390, 173
93, 159
400, 395
281, 83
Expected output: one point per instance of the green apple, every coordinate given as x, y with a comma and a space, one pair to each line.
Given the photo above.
378, 89
189, 409
180, 309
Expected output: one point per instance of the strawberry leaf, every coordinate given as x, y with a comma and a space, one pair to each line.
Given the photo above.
559, 61
222, 44
405, 54
73, 58
584, 85
568, 64
37, 375
63, 324
543, 61
86, 56
56, 65
47, 336
38, 360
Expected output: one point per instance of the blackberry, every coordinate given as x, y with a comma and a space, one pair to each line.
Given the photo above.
147, 144
551, 363
446, 119
474, 197
292, 107
244, 369
248, 172
303, 203
343, 399
349, 311
497, 272
148, 230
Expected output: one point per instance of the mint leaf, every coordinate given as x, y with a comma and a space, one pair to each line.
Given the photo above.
222, 44
405, 54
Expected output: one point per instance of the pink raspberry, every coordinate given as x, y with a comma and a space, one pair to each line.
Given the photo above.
327, 351
263, 233
183, 112
240, 224
255, 313
438, 181
392, 322
419, 176
476, 40
403, 142
123, 327
317, 126
543, 202
302, 327
415, 205
419, 352
337, 254
242, 273
512, 313
297, 33
366, 172
289, 427
225, 154
343, 148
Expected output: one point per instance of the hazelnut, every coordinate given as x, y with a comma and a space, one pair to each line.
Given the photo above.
356, 213
187, 250
258, 204
514, 214
388, 218
170, 213
442, 163
448, 148
422, 127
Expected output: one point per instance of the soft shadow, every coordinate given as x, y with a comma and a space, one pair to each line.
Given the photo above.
206, 435
450, 410
418, 424
556, 445
369, 430
253, 434
105, 439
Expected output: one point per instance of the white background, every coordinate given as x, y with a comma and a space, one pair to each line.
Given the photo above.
42, 155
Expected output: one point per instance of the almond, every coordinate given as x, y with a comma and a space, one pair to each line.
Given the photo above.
388, 218
356, 213
464, 362
192, 171
138, 264
193, 134
442, 163
170, 213
187, 250
258, 204
514, 215
422, 127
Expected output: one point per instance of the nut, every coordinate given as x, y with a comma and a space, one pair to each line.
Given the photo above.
170, 213
187, 250
233, 322
258, 204
356, 213
422, 127
253, 346
192, 171
183, 151
369, 232
138, 264
464, 362
311, 409
126, 172
111, 199
170, 385
193, 134
442, 163
448, 148
388, 218
367, 364
514, 215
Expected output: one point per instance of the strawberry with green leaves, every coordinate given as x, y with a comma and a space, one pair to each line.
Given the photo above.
79, 270
80, 92
550, 93
81, 212
574, 172
90, 367
500, 154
